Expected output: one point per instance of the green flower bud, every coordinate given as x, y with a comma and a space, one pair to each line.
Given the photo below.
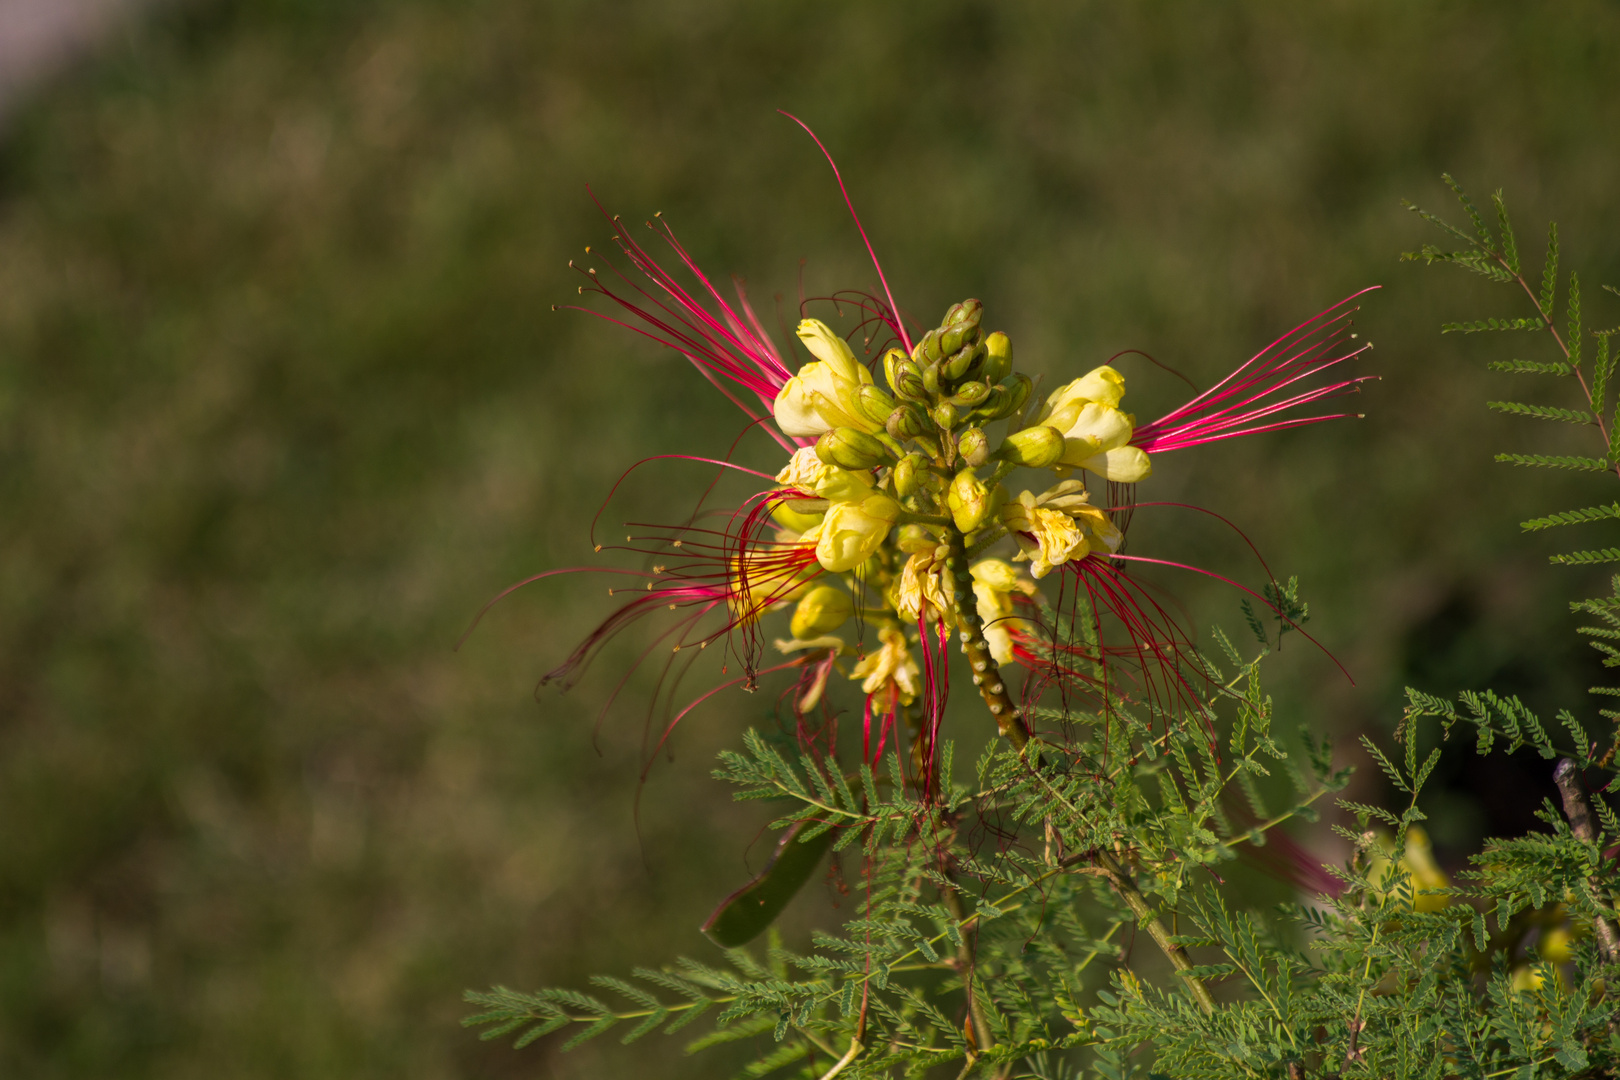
893, 360
998, 357
945, 415
874, 402
849, 448
967, 313
1038, 447
823, 610
930, 378
963, 362
908, 381
907, 474
927, 349
906, 422
969, 501
970, 394
1020, 389
974, 446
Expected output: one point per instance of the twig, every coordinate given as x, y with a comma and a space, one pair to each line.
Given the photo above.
1568, 778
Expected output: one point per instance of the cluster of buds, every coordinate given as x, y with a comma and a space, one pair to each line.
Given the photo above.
903, 491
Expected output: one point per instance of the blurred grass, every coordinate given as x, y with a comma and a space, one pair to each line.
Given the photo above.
282, 402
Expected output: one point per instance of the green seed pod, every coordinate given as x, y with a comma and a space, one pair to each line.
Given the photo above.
970, 394
945, 415
1038, 447
874, 403
974, 446
909, 473
906, 422
849, 448
915, 538
968, 500
998, 358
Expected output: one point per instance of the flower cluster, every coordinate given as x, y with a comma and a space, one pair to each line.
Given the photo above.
896, 510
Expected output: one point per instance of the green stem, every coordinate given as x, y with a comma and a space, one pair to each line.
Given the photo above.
1120, 879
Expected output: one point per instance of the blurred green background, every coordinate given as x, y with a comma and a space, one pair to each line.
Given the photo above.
282, 403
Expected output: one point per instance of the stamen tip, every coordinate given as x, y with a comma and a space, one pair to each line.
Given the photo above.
596, 547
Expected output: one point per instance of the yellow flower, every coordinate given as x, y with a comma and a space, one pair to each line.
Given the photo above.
822, 610
822, 395
807, 472
1059, 526
891, 666
994, 582
922, 582
1096, 434
852, 532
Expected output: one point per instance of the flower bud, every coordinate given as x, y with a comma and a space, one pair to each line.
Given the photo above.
915, 538
962, 363
998, 357
851, 532
969, 501
823, 610
930, 378
1020, 388
945, 415
967, 313
907, 472
906, 422
970, 394
927, 349
848, 448
892, 361
907, 381
875, 403
1038, 447
974, 446
961, 326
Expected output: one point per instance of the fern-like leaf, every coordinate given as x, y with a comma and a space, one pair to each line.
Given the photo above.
1483, 325
1556, 461
1529, 367
1510, 246
1542, 412
1586, 558
1549, 272
1572, 517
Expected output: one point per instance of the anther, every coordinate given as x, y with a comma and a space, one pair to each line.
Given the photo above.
598, 547
676, 649
703, 645
657, 569
676, 543
672, 607
587, 249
